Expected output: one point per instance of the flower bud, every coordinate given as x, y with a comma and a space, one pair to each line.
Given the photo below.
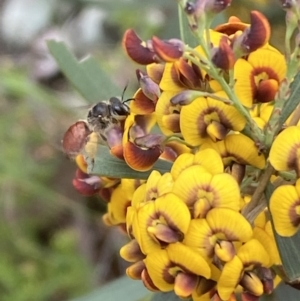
223, 56
135, 271
85, 184
252, 284
184, 98
216, 6
148, 86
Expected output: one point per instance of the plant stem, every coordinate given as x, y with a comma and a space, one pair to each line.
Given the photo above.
257, 196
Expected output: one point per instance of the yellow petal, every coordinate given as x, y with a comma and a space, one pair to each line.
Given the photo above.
242, 87
188, 259
231, 224
139, 196
181, 163
226, 192
283, 203
174, 211
169, 81
117, 206
157, 263
244, 150
164, 108
198, 237
165, 184
270, 59
269, 244
285, 151
229, 278
252, 252
209, 159
147, 242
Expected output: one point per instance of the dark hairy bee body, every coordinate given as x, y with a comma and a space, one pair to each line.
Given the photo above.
105, 114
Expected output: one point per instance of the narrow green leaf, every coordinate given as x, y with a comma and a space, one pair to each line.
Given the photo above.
293, 100
288, 249
106, 165
186, 34
283, 292
124, 289
86, 76
167, 297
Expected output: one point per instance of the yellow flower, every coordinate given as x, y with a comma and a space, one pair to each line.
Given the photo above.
285, 209
177, 267
221, 225
285, 151
237, 148
202, 191
240, 270
258, 77
207, 118
159, 223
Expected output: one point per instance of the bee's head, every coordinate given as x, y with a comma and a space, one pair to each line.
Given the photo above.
118, 107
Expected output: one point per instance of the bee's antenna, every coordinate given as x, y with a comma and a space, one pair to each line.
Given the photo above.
124, 101
125, 88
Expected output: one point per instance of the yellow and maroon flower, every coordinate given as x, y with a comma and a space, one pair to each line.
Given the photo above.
141, 149
258, 77
207, 118
156, 186
202, 191
214, 236
240, 270
177, 268
162, 222
285, 209
285, 151
237, 148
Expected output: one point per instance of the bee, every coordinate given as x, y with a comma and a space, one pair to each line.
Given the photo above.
102, 118
107, 113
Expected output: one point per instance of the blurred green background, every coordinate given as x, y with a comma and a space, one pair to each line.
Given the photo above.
53, 244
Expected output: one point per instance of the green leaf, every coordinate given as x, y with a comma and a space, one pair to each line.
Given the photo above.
124, 289
293, 100
106, 165
167, 297
186, 34
86, 76
283, 292
288, 249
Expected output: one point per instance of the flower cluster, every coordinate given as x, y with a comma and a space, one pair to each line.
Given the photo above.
188, 233
222, 115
